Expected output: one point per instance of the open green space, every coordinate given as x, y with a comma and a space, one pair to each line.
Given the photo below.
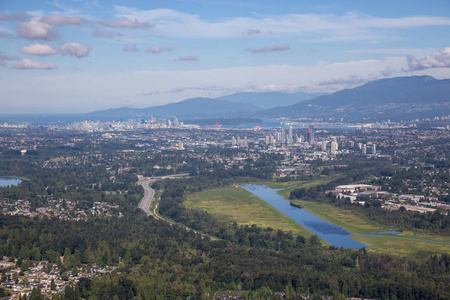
286, 187
241, 206
238, 205
358, 226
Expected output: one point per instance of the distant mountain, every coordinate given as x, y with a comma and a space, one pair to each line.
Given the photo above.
189, 108
400, 98
271, 99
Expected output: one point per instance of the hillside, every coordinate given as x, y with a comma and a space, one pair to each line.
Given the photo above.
400, 98
189, 108
270, 99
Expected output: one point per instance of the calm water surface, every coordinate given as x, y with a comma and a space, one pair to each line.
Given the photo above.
7, 181
329, 232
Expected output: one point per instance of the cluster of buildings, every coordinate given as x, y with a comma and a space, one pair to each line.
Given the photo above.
391, 201
43, 275
62, 209
131, 124
278, 140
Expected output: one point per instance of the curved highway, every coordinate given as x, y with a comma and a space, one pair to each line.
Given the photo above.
149, 193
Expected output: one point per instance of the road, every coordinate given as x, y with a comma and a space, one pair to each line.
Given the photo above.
149, 193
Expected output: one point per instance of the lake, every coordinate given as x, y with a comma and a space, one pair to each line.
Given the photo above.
7, 181
329, 232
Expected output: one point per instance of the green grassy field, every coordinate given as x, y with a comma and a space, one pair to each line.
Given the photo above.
359, 226
286, 187
237, 204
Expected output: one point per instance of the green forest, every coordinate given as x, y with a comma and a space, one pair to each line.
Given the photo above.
195, 256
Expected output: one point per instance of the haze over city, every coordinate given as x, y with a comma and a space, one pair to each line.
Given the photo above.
78, 56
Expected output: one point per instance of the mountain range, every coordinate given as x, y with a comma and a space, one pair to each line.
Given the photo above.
270, 99
189, 108
399, 98
234, 105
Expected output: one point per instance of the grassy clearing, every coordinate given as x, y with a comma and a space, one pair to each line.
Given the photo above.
14, 176
155, 199
398, 245
358, 226
237, 204
286, 187
241, 206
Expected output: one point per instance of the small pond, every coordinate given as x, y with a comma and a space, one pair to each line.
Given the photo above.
8, 181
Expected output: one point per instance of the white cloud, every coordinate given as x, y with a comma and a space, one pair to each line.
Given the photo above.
351, 80
208, 88
392, 51
38, 49
4, 57
21, 15
387, 72
270, 48
253, 31
272, 88
35, 29
156, 49
127, 23
132, 48
87, 92
75, 49
62, 20
102, 33
187, 58
29, 64
319, 27
437, 59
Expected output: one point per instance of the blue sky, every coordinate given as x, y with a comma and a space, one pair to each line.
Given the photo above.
84, 55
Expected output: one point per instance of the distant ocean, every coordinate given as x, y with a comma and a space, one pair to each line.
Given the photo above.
49, 119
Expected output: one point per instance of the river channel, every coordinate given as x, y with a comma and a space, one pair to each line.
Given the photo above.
329, 232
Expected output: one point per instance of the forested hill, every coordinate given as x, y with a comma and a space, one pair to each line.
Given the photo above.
400, 98
189, 108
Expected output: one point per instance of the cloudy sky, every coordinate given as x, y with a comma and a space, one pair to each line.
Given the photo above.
84, 55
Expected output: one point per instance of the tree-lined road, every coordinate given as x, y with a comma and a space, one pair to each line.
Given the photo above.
149, 193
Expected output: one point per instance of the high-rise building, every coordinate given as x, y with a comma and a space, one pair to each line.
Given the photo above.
310, 134
364, 149
290, 136
374, 149
334, 147
283, 136
233, 141
324, 146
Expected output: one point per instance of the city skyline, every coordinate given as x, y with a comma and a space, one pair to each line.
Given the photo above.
80, 56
